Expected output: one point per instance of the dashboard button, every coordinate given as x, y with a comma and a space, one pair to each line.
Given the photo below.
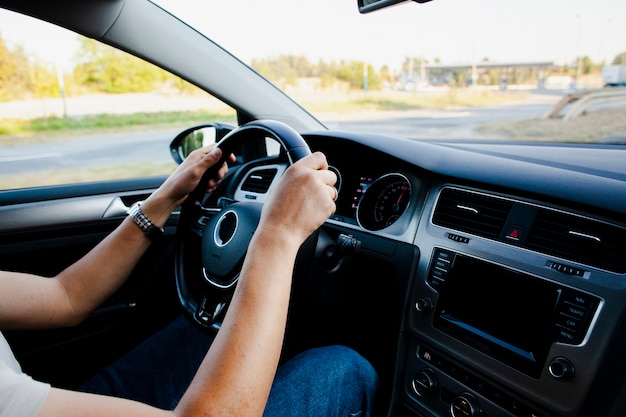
561, 369
424, 382
464, 405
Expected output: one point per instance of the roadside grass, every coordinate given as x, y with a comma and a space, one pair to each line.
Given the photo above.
21, 132
417, 100
74, 176
586, 128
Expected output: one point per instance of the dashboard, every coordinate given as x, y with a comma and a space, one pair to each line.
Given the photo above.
515, 295
481, 279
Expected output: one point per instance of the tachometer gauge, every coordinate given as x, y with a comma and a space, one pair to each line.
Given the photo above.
383, 202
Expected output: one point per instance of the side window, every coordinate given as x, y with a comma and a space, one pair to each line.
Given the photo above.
74, 110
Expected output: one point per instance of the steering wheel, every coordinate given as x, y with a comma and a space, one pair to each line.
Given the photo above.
212, 242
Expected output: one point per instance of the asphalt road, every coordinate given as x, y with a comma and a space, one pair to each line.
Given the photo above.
449, 124
95, 151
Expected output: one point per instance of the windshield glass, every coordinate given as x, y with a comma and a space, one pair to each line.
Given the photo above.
452, 69
75, 110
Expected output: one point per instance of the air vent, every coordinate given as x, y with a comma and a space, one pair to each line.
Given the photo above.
579, 239
474, 213
259, 181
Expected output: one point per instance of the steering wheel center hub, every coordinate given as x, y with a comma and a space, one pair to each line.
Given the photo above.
225, 242
226, 228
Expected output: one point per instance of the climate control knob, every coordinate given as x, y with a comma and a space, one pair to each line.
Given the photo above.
464, 405
561, 369
424, 382
424, 304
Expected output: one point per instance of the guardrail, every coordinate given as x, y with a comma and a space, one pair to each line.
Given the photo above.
580, 102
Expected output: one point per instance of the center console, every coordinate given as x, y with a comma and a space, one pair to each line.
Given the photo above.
492, 315
495, 330
509, 316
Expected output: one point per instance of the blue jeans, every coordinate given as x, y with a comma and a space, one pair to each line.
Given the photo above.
326, 381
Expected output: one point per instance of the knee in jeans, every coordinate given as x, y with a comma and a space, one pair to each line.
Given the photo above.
353, 366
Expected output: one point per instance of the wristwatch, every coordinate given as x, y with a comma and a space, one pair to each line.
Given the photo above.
144, 222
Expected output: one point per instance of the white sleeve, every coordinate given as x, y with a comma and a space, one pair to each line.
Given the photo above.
20, 395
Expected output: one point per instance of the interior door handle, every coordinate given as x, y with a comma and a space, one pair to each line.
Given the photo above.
116, 209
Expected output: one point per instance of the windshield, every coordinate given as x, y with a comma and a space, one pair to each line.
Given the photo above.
75, 110
453, 69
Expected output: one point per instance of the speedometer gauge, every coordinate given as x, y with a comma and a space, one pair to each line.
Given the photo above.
383, 202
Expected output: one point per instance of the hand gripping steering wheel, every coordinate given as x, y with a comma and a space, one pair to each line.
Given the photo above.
211, 245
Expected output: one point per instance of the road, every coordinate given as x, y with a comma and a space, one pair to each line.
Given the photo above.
448, 124
153, 146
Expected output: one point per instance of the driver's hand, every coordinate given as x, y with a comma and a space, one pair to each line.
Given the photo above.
303, 198
186, 177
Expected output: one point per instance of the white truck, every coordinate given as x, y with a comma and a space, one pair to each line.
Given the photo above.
614, 75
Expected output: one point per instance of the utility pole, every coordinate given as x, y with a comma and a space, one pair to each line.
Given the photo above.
578, 61
61, 83
365, 76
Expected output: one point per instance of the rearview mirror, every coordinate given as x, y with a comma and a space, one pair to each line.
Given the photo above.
197, 137
366, 6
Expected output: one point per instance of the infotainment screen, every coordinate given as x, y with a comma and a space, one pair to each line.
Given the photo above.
504, 313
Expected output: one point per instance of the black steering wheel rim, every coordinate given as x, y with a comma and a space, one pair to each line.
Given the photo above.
226, 235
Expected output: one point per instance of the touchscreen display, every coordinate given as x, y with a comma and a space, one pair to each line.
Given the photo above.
504, 313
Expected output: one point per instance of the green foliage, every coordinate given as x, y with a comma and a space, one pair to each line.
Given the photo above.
100, 69
22, 78
412, 64
284, 69
44, 129
103, 69
108, 70
458, 79
193, 141
44, 80
287, 69
587, 65
620, 59
353, 73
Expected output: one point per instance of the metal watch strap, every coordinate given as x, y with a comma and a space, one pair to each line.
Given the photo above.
144, 222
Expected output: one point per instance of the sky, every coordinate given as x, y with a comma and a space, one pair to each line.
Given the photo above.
451, 31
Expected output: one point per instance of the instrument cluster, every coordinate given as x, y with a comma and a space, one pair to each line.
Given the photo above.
373, 202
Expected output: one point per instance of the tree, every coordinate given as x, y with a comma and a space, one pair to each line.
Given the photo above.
352, 73
385, 75
7, 71
458, 78
21, 78
44, 81
587, 65
287, 69
14, 72
284, 69
620, 59
106, 69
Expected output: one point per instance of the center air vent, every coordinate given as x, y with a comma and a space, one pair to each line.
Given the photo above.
580, 239
469, 212
259, 181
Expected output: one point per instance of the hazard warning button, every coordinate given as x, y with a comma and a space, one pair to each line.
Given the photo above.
514, 233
